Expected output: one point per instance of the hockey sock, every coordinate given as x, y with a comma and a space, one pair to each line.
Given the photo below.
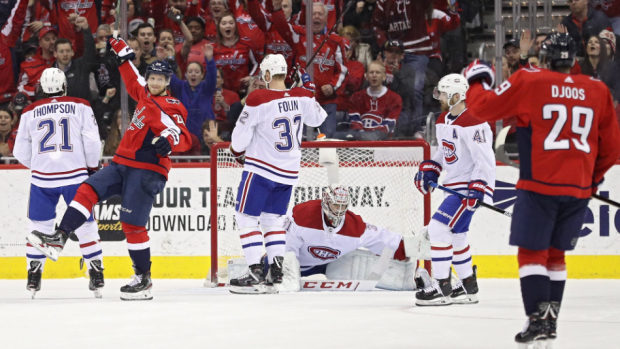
461, 261
90, 245
275, 244
534, 278
139, 246
556, 267
79, 209
441, 257
32, 254
252, 244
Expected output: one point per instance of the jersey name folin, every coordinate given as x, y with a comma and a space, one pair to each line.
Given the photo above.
53, 109
285, 106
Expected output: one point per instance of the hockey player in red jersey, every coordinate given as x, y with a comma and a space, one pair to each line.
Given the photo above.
138, 172
568, 137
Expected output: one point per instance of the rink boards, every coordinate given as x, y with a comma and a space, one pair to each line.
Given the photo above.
180, 232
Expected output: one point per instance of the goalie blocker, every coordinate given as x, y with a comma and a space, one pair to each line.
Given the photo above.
323, 237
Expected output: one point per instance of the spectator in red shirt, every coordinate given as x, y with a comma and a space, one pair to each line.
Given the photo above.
375, 111
39, 17
8, 131
234, 55
8, 38
611, 8
222, 101
32, 68
248, 29
162, 21
352, 82
437, 23
192, 50
212, 15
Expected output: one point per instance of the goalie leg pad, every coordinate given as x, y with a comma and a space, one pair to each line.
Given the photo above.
237, 267
358, 265
291, 281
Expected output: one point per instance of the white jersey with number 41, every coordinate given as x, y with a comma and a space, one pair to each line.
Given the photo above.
58, 139
269, 130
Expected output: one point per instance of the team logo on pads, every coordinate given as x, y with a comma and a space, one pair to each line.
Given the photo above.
323, 253
449, 152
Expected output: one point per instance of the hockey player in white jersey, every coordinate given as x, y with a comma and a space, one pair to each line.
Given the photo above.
267, 141
327, 238
466, 153
58, 140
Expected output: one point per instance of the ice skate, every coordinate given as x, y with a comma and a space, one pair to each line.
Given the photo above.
534, 335
552, 321
438, 294
139, 289
252, 282
465, 291
34, 278
96, 278
275, 274
49, 245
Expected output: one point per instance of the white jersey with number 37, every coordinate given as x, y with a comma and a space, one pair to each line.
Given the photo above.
58, 139
269, 130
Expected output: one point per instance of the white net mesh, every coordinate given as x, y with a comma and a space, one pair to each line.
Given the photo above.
379, 180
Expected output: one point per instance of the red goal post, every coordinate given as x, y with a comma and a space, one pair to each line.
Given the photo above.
378, 174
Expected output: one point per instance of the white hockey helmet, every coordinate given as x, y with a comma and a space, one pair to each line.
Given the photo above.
334, 204
452, 84
53, 81
274, 64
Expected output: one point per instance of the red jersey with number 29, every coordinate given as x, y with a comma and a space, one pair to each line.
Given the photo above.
567, 130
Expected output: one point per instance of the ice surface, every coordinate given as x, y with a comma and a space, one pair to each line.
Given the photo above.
183, 315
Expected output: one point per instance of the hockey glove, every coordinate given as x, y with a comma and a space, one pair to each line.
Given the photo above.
162, 146
475, 194
595, 185
303, 79
239, 156
429, 171
122, 50
480, 71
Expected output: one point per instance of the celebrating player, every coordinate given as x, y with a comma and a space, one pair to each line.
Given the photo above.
138, 172
267, 141
323, 233
468, 158
568, 138
58, 140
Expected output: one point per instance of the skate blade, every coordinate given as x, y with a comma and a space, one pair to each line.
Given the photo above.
37, 243
98, 293
541, 344
138, 296
466, 299
257, 289
437, 302
33, 293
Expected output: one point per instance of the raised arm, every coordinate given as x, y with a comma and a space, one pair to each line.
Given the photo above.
211, 79
12, 28
379, 22
244, 129
262, 19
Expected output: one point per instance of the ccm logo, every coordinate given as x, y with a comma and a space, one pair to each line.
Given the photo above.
330, 285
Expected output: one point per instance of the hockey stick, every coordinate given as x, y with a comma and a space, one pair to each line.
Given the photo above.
501, 156
349, 5
462, 196
117, 21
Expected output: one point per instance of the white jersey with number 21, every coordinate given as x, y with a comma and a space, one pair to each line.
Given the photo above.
269, 130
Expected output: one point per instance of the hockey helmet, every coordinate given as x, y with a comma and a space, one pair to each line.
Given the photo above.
53, 81
274, 64
334, 204
558, 50
452, 84
159, 68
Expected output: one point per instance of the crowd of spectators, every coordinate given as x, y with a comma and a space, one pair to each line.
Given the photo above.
373, 73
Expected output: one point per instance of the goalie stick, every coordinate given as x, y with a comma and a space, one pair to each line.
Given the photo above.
462, 196
501, 156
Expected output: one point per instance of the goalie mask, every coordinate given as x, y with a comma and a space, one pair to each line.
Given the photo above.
275, 64
334, 204
452, 84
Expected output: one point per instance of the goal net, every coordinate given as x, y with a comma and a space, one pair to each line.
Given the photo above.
378, 175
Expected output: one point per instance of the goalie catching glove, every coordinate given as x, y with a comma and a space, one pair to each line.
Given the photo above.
122, 50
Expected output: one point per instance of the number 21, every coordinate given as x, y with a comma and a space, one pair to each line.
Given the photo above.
50, 124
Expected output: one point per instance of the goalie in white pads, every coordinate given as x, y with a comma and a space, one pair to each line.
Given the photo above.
326, 239
466, 153
266, 140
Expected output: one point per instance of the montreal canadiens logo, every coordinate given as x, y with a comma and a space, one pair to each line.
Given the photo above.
449, 152
323, 253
